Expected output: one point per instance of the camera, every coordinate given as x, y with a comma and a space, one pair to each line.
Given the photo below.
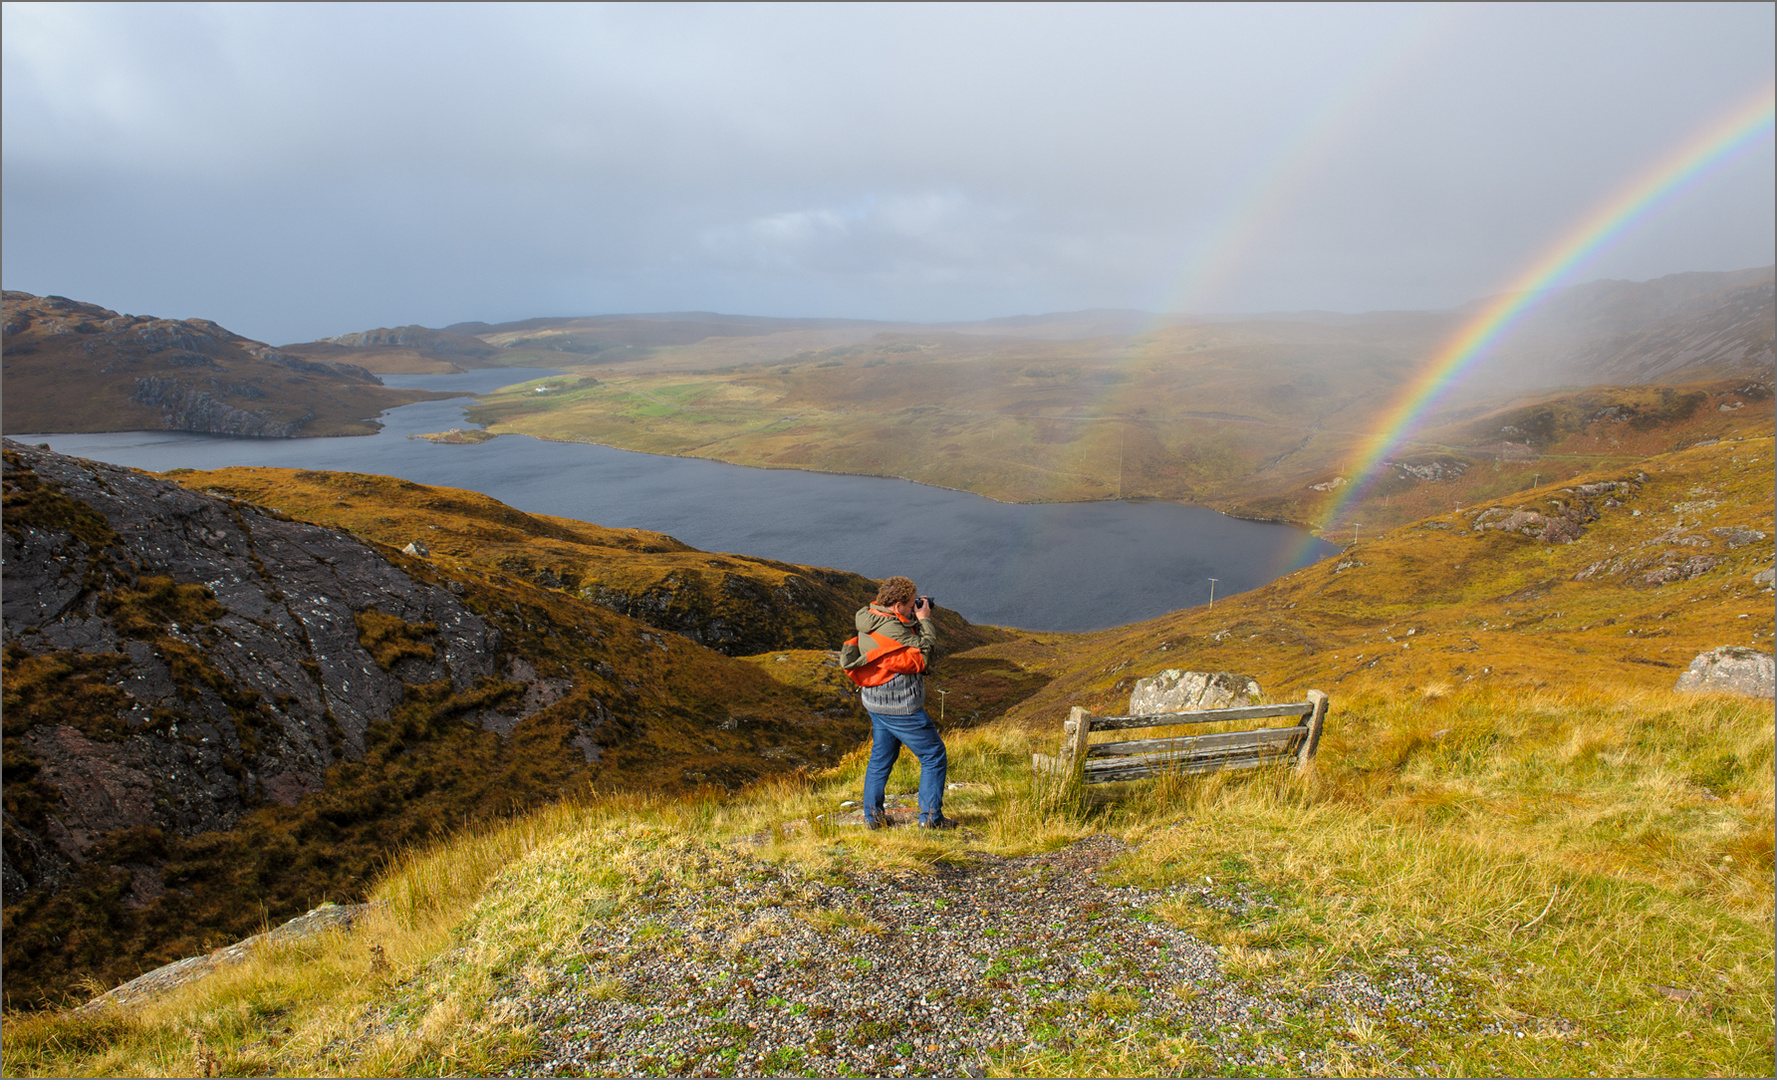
927, 601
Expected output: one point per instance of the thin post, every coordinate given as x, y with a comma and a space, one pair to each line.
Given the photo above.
1073, 751
1354, 526
1212, 593
1316, 719
942, 694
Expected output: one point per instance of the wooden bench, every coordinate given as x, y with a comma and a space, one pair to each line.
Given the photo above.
1101, 763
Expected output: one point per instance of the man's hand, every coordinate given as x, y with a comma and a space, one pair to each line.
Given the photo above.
922, 608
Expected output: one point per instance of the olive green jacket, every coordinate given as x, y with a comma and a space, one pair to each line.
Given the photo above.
882, 622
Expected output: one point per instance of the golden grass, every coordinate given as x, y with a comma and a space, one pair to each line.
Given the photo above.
1565, 864
1582, 858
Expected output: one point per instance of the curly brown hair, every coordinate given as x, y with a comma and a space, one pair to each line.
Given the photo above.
896, 590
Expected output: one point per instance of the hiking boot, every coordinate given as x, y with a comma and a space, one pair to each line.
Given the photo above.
937, 821
879, 821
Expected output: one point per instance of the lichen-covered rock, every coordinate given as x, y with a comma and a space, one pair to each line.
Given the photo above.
1560, 524
1731, 669
1182, 691
174, 658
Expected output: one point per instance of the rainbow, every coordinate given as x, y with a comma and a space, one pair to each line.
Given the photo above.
1722, 140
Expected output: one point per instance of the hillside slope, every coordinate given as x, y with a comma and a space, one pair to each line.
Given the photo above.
71, 366
1606, 579
216, 714
1678, 328
1519, 852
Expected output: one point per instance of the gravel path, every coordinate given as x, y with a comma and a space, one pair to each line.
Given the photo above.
938, 973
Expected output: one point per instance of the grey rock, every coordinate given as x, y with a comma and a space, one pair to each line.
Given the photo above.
1738, 537
301, 690
1181, 691
1731, 669
417, 549
338, 918
1765, 577
1561, 524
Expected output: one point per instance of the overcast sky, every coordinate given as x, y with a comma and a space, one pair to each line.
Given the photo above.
295, 171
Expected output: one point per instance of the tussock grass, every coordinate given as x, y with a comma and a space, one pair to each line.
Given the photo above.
1587, 875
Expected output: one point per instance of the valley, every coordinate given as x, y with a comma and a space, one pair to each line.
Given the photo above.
552, 756
1254, 416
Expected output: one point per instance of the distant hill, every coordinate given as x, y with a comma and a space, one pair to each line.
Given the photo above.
404, 349
71, 366
1673, 329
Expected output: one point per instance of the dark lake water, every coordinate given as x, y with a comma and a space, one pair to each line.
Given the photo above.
1053, 566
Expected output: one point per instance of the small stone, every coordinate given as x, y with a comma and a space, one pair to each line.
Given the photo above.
417, 550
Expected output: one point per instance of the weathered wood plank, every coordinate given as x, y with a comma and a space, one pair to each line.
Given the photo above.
1283, 749
1315, 721
1073, 750
1095, 776
1190, 743
1204, 716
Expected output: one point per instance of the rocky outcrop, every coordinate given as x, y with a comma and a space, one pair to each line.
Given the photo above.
1731, 669
1562, 523
328, 918
174, 659
1183, 691
189, 406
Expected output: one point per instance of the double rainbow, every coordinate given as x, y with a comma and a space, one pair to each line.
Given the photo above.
1728, 137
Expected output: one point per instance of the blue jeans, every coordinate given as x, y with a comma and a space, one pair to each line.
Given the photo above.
918, 734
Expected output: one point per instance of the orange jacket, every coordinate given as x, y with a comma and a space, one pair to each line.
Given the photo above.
886, 647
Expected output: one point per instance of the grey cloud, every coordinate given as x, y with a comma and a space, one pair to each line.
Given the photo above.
297, 170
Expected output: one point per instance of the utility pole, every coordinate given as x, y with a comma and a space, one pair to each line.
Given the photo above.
1212, 593
942, 694
1354, 526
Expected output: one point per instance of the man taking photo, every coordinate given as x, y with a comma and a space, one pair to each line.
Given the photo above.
888, 660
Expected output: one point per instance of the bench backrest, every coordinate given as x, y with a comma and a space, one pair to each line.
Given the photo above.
1141, 757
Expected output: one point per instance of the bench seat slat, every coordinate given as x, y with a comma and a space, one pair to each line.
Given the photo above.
1185, 768
1226, 753
1195, 743
1204, 716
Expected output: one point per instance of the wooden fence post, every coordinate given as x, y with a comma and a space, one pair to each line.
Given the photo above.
1315, 720
1073, 751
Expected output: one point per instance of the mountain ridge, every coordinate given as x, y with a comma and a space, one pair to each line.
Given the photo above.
73, 366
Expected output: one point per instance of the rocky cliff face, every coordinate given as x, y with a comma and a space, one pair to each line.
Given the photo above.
216, 714
160, 675
71, 366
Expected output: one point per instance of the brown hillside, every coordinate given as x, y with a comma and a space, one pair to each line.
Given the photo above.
70, 366
1647, 567
218, 715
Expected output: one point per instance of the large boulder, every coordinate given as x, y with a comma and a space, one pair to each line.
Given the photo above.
1183, 691
1731, 669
